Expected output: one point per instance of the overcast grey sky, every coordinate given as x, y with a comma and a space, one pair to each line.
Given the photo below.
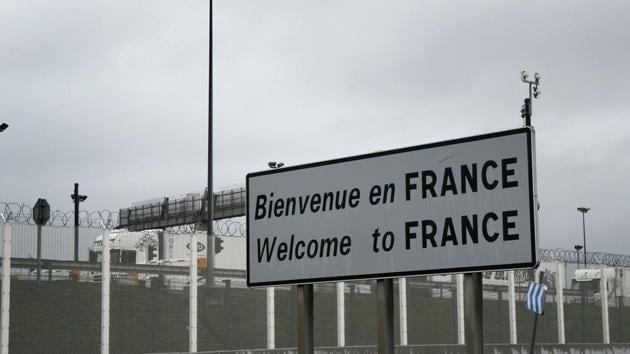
113, 94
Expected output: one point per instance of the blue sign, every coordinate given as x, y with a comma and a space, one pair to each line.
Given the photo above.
536, 297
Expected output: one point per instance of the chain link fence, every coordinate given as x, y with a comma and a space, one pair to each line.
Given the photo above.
149, 309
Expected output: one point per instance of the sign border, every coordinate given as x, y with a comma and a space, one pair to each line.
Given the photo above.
529, 131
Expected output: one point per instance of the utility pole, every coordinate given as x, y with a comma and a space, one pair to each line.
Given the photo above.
210, 191
77, 199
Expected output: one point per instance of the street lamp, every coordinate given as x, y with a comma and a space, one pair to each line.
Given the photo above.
3, 126
526, 109
577, 251
584, 210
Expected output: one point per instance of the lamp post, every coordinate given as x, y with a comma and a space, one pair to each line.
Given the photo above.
584, 210
577, 251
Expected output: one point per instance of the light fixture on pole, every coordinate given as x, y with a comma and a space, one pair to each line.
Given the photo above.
274, 164
577, 251
3, 127
526, 109
584, 210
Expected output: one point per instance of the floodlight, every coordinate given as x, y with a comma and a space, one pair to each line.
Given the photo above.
274, 164
3, 126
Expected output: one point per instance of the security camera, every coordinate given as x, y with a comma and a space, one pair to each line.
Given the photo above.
524, 75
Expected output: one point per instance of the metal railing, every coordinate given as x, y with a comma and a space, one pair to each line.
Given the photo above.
189, 209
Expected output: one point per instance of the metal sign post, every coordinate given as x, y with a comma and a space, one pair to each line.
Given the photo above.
41, 215
305, 319
385, 315
473, 313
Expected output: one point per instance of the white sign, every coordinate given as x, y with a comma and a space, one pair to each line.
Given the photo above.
456, 206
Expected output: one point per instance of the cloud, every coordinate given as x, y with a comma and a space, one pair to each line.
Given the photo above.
113, 95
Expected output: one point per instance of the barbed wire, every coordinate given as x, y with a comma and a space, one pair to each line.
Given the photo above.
224, 227
572, 256
21, 213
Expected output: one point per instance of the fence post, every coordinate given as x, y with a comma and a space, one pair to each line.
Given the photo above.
271, 318
341, 315
603, 291
461, 338
6, 284
192, 296
560, 301
105, 294
512, 307
402, 297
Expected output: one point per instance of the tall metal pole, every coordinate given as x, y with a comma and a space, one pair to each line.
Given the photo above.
385, 315
473, 313
210, 193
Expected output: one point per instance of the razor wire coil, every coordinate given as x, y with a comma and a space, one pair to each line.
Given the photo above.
21, 213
